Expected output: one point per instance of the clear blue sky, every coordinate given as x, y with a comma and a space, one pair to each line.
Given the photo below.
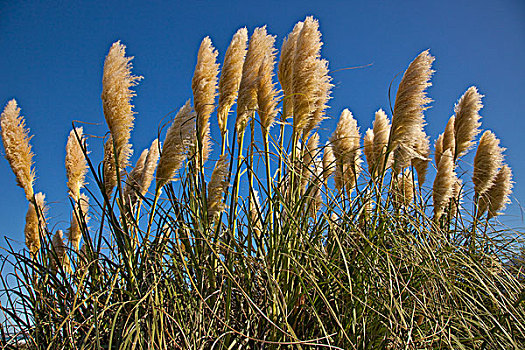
52, 55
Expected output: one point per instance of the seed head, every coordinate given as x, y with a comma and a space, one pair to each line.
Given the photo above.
35, 227
231, 76
76, 163
487, 162
497, 196
443, 189
17, 148
467, 123
217, 187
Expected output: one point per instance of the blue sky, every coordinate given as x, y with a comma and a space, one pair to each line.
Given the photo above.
52, 54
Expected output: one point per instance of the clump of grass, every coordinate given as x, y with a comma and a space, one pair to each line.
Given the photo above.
274, 257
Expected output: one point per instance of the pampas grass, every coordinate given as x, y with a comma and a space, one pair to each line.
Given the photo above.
76, 164
467, 123
17, 148
117, 82
267, 250
231, 76
204, 87
487, 162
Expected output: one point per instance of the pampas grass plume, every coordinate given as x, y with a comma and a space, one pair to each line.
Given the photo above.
204, 87
438, 152
329, 162
110, 171
17, 148
217, 187
467, 123
497, 196
76, 163
487, 162
117, 82
62, 258
179, 137
79, 220
266, 93
231, 76
381, 128
34, 226
260, 45
443, 189
449, 141
368, 149
285, 68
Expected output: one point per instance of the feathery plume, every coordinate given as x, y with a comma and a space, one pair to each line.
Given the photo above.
329, 163
231, 76
438, 149
443, 189
62, 258
78, 219
449, 141
17, 148
497, 196
345, 142
307, 70
149, 167
179, 137
421, 159
285, 72
404, 191
487, 161
381, 127
411, 101
467, 123
315, 193
217, 187
76, 163
260, 45
117, 82
134, 178
266, 93
456, 197
34, 227
321, 94
110, 172
368, 148
204, 86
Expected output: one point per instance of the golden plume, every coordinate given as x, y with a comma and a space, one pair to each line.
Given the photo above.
467, 123
110, 172
17, 148
266, 93
329, 162
35, 223
368, 149
76, 163
231, 76
179, 138
260, 45
79, 219
117, 81
497, 196
217, 187
59, 248
381, 128
487, 162
204, 86
449, 141
443, 189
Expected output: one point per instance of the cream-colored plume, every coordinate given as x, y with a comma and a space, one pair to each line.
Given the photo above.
34, 227
411, 101
140, 178
217, 187
179, 138
260, 46
231, 76
449, 141
346, 146
467, 123
487, 162
204, 86
381, 127
443, 189
404, 190
110, 172
497, 196
322, 89
438, 149
368, 149
266, 93
421, 158
307, 72
456, 197
79, 218
76, 163
117, 82
17, 148
62, 259
285, 73
329, 162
